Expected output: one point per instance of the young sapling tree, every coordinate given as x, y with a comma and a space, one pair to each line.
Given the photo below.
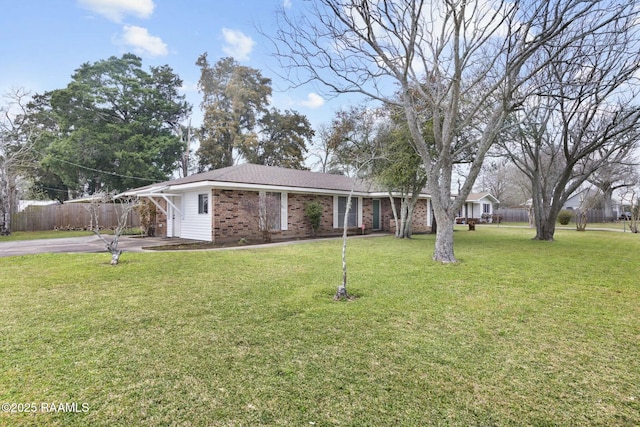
124, 206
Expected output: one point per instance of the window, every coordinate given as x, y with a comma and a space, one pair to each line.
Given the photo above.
203, 203
486, 208
271, 207
352, 220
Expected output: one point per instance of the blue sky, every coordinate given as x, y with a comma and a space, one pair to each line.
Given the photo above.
43, 42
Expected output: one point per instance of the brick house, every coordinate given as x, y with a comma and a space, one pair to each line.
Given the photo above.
211, 206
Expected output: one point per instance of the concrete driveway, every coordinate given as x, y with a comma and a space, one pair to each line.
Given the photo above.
85, 244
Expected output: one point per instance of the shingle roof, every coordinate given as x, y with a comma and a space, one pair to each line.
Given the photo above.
474, 197
273, 176
281, 177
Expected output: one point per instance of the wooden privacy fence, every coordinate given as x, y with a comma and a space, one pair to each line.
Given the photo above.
71, 216
522, 215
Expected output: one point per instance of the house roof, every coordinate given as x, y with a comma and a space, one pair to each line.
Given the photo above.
248, 173
476, 197
256, 176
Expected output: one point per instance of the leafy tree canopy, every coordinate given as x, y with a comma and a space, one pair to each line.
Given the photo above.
239, 123
281, 141
111, 128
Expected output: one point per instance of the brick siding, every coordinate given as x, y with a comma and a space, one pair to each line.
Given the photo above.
230, 220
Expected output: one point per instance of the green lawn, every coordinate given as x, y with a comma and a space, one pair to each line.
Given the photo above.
520, 332
50, 234
55, 234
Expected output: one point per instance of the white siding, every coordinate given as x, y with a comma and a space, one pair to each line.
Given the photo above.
194, 225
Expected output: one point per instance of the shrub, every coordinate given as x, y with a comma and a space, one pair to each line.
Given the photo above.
564, 217
148, 213
313, 211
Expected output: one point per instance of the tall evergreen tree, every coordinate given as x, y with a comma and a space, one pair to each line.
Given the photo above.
112, 127
238, 123
234, 97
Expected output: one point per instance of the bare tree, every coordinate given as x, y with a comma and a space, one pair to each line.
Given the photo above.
457, 64
631, 197
589, 199
502, 179
341, 293
618, 173
16, 146
264, 211
321, 152
354, 141
579, 114
126, 206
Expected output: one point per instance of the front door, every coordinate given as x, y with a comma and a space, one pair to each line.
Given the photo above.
176, 218
376, 214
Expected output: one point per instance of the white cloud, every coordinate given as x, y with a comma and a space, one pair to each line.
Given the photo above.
237, 44
313, 101
286, 3
116, 10
142, 42
189, 86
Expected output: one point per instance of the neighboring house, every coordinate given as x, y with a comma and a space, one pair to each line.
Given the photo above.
579, 199
209, 206
478, 206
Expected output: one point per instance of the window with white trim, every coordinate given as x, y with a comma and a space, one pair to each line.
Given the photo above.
203, 203
486, 208
352, 219
271, 209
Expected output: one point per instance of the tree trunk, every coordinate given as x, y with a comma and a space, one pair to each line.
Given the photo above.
115, 256
544, 211
408, 225
341, 293
545, 231
545, 226
401, 233
434, 223
444, 242
5, 202
581, 220
607, 196
395, 213
444, 236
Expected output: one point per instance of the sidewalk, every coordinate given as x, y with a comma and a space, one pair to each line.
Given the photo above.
92, 244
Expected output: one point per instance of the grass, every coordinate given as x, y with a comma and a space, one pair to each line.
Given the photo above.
519, 332
592, 226
49, 234
56, 234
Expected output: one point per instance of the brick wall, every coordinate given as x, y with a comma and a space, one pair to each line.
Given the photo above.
420, 217
386, 214
420, 212
231, 222
299, 225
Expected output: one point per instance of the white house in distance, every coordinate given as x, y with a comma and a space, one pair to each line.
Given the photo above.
478, 206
